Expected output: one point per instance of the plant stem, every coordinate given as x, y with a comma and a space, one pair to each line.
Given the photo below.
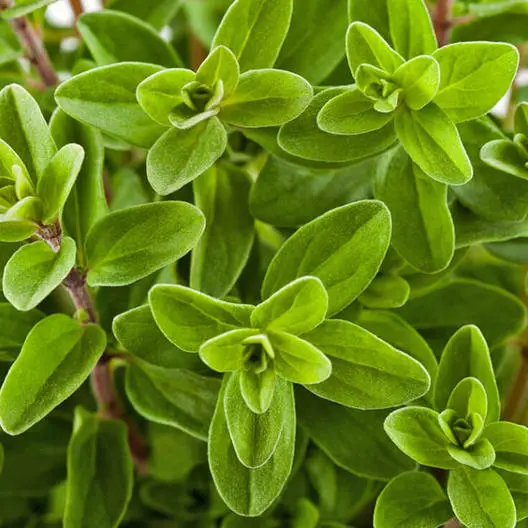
518, 391
441, 21
453, 523
77, 8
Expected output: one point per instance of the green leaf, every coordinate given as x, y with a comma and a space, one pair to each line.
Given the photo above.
367, 373
158, 13
113, 37
366, 46
518, 486
15, 327
222, 194
479, 456
506, 27
100, 472
255, 437
420, 79
105, 98
250, 492
23, 127
180, 156
57, 357
15, 229
474, 76
161, 92
86, 203
13, 168
413, 500
175, 397
296, 308
344, 248
220, 65
365, 450
510, 442
130, 244
189, 318
467, 355
302, 137
255, 30
496, 311
351, 113
35, 270
314, 45
503, 155
266, 98
58, 179
468, 397
24, 8
137, 331
258, 388
433, 142
417, 432
423, 232
411, 29
481, 499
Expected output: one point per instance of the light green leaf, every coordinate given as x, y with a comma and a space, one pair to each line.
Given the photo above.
366, 46
481, 499
367, 373
474, 76
250, 492
189, 318
158, 13
222, 194
100, 472
510, 442
112, 36
413, 500
467, 355
105, 98
375, 14
503, 155
57, 357
15, 229
423, 232
175, 397
468, 397
266, 98
344, 248
24, 8
518, 486
433, 142
12, 167
296, 308
130, 244
35, 270
416, 431
254, 31
255, 437
351, 113
220, 65
365, 450
15, 327
411, 29
180, 156
258, 388
480, 455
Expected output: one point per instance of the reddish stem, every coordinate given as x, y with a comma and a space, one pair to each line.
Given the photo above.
441, 21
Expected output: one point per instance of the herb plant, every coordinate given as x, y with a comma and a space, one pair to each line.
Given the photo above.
266, 270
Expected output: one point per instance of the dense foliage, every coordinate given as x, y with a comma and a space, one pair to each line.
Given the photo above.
268, 270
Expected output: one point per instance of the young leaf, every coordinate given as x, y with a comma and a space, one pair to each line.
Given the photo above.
417, 432
266, 98
467, 355
254, 31
220, 65
35, 270
366, 46
503, 155
175, 397
130, 244
57, 181
480, 455
106, 99
222, 194
57, 357
367, 373
255, 437
474, 76
365, 450
413, 500
189, 318
468, 397
296, 308
411, 29
100, 472
249, 492
180, 156
112, 36
344, 248
433, 142
510, 442
16, 229
481, 499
